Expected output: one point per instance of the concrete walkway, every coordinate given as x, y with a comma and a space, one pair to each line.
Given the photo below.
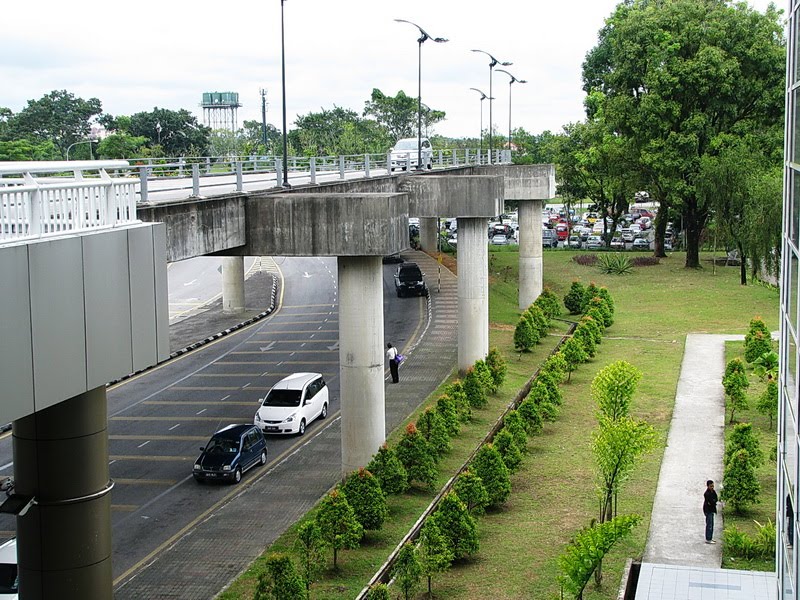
693, 455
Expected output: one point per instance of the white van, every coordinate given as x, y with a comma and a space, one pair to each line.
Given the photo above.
293, 403
405, 151
9, 579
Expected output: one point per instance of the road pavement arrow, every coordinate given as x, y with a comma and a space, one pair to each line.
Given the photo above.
267, 347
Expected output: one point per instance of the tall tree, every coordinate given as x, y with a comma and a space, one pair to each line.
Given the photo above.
59, 117
398, 114
176, 132
676, 76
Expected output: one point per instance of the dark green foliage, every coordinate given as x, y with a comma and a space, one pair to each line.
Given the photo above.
586, 551
538, 319
613, 388
389, 471
434, 553
556, 365
485, 376
457, 526
497, 366
489, 466
597, 314
379, 591
472, 492
541, 394
575, 300
740, 487
736, 384
311, 546
507, 447
338, 524
417, 457
525, 336
433, 428
515, 424
368, 500
591, 291
743, 438
455, 391
280, 580
605, 311
407, 570
606, 296
768, 401
473, 388
615, 264
574, 354
551, 382
586, 338
531, 415
765, 367
446, 407
740, 544
735, 365
548, 302
756, 344
593, 326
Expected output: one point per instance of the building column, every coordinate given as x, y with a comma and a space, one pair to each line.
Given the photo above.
530, 252
232, 284
473, 291
64, 540
428, 233
361, 359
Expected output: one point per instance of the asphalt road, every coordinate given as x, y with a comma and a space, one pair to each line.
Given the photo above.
158, 421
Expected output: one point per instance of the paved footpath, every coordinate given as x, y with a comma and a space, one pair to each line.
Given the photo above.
693, 455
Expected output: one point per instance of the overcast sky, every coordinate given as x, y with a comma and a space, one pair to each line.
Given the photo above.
135, 56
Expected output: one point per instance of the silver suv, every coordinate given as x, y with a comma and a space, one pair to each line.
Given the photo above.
405, 151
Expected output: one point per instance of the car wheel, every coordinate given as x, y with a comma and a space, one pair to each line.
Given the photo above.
324, 412
399, 295
263, 460
237, 475
302, 428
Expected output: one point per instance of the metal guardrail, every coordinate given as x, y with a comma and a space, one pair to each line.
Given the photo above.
39, 199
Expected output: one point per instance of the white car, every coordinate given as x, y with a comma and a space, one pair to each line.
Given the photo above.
405, 151
293, 403
9, 579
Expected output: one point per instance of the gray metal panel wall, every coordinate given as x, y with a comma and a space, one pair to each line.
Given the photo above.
107, 298
16, 370
143, 297
57, 320
162, 293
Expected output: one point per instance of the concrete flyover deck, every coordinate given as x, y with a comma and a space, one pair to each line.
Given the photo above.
205, 559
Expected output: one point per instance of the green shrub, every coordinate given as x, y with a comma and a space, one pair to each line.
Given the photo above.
338, 524
280, 580
531, 415
455, 391
407, 571
594, 327
736, 384
433, 428
497, 366
473, 388
591, 291
507, 447
379, 591
757, 341
417, 457
740, 487
548, 302
743, 438
575, 300
615, 264
586, 338
472, 492
735, 365
557, 365
538, 319
311, 546
768, 401
574, 354
389, 471
457, 525
434, 553
488, 464
515, 424
601, 305
606, 296
525, 337
485, 376
738, 543
368, 500
613, 388
446, 408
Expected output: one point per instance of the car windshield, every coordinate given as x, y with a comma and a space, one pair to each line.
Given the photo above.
406, 145
410, 275
222, 446
282, 398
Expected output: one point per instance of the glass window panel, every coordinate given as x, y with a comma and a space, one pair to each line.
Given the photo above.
794, 203
791, 285
793, 110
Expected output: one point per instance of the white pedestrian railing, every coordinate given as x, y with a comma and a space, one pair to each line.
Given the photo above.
39, 199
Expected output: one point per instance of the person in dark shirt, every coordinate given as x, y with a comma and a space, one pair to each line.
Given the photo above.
710, 509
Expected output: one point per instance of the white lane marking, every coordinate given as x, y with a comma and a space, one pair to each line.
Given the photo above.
143, 444
174, 427
201, 411
4, 467
245, 385
267, 347
225, 398
111, 462
190, 282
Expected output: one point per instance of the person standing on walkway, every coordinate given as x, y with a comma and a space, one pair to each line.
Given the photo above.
710, 509
391, 354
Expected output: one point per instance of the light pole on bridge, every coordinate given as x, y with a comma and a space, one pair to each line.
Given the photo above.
492, 64
286, 183
512, 80
90, 142
483, 97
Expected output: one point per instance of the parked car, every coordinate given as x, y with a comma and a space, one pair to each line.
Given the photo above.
549, 239
575, 242
406, 151
668, 245
293, 403
499, 240
562, 232
616, 242
229, 453
9, 580
641, 244
594, 242
627, 235
408, 280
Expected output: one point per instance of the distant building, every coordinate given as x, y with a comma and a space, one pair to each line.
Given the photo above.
220, 110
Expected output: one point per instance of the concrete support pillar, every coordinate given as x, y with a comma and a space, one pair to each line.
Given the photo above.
232, 284
473, 291
64, 540
530, 251
361, 359
428, 232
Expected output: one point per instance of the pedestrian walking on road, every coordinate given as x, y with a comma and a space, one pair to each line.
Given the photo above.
710, 509
391, 354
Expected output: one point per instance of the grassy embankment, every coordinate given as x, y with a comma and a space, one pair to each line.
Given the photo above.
554, 492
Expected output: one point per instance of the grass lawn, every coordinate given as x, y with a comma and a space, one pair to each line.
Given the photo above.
554, 491
766, 473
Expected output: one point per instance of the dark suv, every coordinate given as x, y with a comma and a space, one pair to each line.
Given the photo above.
408, 280
229, 453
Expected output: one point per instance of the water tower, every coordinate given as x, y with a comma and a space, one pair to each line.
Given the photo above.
220, 110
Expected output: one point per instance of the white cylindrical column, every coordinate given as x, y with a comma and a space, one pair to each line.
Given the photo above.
361, 359
530, 252
428, 233
473, 291
232, 284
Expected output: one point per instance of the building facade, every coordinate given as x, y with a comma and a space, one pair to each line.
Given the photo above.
788, 440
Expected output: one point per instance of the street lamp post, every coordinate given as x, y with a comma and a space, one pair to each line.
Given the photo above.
90, 142
492, 64
286, 183
483, 97
512, 80
424, 35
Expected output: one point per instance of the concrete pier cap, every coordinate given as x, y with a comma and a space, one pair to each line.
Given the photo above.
525, 182
453, 195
